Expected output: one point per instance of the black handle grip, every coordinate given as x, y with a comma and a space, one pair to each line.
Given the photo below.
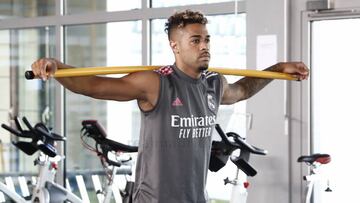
223, 136
27, 123
13, 131
29, 75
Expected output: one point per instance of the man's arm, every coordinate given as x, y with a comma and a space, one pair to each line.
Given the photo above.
247, 87
142, 86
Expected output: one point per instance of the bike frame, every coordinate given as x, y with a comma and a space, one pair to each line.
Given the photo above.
239, 191
45, 185
312, 178
12, 194
46, 189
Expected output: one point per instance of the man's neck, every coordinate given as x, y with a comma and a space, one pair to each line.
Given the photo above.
190, 71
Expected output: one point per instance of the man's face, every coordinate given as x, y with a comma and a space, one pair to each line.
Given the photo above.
191, 44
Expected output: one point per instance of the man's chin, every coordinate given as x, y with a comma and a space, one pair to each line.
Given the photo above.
203, 67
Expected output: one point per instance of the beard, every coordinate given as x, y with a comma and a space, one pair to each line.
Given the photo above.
203, 68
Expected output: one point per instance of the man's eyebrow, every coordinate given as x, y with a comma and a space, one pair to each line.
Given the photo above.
199, 36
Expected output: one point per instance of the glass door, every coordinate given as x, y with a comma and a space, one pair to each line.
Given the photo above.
335, 100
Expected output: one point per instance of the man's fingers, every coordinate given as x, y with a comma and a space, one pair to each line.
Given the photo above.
301, 71
47, 69
35, 68
302, 77
43, 68
303, 68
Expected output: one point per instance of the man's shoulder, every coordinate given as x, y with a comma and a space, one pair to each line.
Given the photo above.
165, 70
209, 74
211, 77
144, 77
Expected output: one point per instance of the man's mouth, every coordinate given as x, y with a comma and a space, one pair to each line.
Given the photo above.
205, 55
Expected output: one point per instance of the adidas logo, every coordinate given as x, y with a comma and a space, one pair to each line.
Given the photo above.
177, 102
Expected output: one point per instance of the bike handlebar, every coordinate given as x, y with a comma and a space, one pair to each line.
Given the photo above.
14, 131
221, 150
37, 133
93, 129
238, 142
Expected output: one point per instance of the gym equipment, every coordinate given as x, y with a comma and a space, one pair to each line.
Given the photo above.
103, 148
87, 71
220, 153
314, 161
43, 140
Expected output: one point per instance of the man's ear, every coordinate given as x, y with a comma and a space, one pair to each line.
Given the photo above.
174, 46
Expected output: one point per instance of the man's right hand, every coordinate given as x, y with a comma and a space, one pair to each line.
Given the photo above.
45, 68
143, 86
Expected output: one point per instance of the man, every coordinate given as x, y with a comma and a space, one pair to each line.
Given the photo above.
179, 104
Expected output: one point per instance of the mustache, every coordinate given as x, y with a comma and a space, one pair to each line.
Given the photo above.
205, 54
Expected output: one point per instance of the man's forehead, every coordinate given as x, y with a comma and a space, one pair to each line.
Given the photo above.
195, 29
190, 30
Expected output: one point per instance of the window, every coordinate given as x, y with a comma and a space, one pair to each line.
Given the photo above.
76, 7
164, 3
28, 8
111, 44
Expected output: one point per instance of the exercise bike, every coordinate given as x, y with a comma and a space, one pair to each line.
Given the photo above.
220, 153
42, 140
103, 148
314, 161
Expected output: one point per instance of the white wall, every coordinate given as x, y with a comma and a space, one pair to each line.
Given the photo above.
266, 17
279, 178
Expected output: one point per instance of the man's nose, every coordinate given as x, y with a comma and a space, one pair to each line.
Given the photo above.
204, 45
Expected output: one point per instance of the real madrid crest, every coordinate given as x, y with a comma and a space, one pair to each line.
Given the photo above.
211, 102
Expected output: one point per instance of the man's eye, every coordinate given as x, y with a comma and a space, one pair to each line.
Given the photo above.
196, 41
207, 40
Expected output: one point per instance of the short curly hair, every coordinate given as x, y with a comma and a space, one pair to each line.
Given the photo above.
183, 18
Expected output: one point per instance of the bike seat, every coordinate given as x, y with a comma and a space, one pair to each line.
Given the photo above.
310, 159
